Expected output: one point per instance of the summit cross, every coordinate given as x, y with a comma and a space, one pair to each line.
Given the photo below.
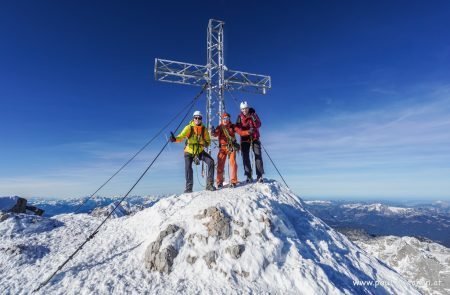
215, 75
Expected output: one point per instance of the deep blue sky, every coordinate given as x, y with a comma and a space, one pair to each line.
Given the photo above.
359, 105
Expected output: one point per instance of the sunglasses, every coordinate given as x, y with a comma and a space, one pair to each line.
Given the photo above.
226, 119
197, 118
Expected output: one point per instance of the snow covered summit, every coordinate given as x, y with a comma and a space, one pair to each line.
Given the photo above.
255, 238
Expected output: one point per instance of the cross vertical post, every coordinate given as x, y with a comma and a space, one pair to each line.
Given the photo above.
215, 64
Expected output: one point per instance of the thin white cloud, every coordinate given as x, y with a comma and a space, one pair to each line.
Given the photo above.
360, 147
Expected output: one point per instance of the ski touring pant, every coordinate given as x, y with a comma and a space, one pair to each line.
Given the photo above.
221, 159
203, 156
245, 148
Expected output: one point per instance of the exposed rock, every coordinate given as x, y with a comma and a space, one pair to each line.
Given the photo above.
171, 229
201, 215
210, 258
198, 237
218, 225
243, 273
245, 233
18, 205
235, 251
162, 259
262, 235
223, 272
4, 216
267, 222
191, 259
238, 223
190, 239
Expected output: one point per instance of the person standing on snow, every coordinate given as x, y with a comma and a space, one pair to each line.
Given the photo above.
249, 121
197, 139
227, 148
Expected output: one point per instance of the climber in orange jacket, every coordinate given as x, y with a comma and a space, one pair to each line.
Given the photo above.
228, 147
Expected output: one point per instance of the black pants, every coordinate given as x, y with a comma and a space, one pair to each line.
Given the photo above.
245, 148
203, 156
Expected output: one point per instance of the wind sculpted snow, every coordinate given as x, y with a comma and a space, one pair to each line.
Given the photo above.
275, 246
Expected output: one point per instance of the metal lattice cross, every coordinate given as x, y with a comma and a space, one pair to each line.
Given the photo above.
214, 74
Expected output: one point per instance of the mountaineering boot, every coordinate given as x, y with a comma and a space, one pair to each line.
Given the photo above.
210, 187
260, 179
233, 185
220, 185
188, 189
249, 179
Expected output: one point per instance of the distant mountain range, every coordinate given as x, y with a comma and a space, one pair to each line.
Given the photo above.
426, 220
431, 221
56, 207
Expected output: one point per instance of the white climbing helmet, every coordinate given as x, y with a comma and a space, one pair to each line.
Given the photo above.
197, 113
244, 105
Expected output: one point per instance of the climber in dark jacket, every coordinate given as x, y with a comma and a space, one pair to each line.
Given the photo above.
249, 121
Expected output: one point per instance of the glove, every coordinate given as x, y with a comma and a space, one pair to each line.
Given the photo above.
251, 131
172, 137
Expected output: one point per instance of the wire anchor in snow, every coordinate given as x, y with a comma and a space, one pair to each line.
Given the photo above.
95, 232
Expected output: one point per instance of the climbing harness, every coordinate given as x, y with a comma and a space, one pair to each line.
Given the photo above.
232, 145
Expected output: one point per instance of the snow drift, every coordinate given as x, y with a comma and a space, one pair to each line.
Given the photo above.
255, 238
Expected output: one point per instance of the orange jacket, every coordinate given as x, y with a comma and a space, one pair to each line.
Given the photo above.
232, 130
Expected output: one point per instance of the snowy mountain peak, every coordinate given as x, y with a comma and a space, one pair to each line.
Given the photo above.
379, 208
256, 238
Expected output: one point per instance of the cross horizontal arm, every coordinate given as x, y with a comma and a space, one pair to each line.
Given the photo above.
237, 80
180, 72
